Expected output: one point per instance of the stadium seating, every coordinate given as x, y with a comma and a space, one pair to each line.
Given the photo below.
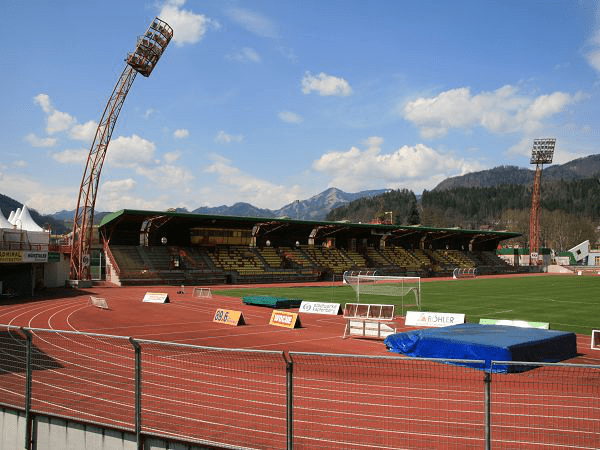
229, 263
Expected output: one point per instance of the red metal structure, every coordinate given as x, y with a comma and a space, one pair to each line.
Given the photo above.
542, 153
150, 47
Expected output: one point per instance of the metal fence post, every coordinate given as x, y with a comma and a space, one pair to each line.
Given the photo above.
28, 383
289, 370
138, 393
487, 400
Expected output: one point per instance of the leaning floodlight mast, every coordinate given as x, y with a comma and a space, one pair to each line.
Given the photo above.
541, 153
150, 47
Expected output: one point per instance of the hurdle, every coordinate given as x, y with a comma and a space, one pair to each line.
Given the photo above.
368, 320
98, 302
595, 339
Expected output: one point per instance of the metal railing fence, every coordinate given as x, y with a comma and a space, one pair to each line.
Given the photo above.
233, 398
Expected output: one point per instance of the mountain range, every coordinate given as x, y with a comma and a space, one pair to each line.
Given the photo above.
317, 207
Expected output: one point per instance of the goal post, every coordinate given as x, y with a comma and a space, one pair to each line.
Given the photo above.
201, 292
405, 291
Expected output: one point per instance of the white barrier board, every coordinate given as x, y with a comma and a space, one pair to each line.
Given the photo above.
595, 339
156, 297
515, 323
320, 308
432, 319
367, 328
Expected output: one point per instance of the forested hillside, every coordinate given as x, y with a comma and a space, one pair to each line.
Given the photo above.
401, 203
571, 210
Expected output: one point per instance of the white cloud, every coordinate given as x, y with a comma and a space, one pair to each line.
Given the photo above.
171, 157
71, 156
325, 85
20, 163
119, 186
237, 186
149, 112
167, 176
254, 22
84, 132
225, 138
414, 167
290, 117
56, 121
37, 194
593, 52
181, 133
36, 141
188, 27
116, 200
130, 152
243, 55
43, 100
501, 111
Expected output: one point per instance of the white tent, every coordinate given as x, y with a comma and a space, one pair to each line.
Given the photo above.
16, 216
11, 217
26, 222
3, 222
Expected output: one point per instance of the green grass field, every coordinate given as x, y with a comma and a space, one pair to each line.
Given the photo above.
568, 303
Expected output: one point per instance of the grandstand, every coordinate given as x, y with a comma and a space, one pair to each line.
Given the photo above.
150, 247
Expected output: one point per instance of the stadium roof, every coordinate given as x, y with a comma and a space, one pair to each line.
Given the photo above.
125, 226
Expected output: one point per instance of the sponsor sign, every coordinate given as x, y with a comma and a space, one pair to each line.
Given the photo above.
229, 317
284, 319
156, 297
432, 319
20, 256
30, 257
320, 308
11, 256
515, 323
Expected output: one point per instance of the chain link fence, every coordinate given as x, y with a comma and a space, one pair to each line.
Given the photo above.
234, 398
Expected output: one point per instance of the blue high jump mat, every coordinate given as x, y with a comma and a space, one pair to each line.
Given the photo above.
486, 342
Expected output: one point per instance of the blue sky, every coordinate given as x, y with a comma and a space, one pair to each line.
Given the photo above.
272, 101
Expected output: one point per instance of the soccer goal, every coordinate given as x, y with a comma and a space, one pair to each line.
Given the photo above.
406, 290
201, 292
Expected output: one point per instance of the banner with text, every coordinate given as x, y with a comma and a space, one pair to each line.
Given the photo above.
285, 319
229, 317
320, 308
432, 319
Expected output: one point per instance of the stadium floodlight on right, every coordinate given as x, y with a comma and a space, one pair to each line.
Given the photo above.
370, 287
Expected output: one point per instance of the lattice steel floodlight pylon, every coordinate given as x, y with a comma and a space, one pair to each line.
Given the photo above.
541, 153
150, 47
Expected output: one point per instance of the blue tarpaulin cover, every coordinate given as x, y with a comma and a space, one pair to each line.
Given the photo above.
486, 342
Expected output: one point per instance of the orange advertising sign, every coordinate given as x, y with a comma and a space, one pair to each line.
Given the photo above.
229, 317
285, 319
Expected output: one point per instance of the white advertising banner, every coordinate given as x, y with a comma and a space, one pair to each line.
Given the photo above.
432, 319
35, 257
320, 308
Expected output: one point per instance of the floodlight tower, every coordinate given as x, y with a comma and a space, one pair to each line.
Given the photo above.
150, 47
541, 153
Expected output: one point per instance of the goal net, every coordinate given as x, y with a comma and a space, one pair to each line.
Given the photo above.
406, 291
202, 292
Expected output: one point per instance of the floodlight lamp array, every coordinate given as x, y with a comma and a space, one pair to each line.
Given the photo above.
150, 47
542, 151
